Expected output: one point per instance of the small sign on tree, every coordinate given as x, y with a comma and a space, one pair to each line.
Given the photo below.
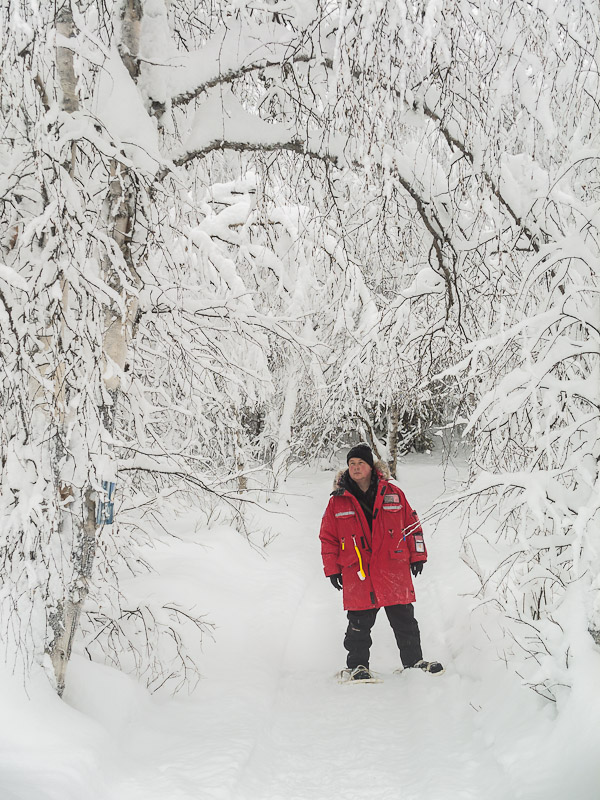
105, 510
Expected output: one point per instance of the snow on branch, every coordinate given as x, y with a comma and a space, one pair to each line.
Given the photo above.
452, 134
222, 123
230, 54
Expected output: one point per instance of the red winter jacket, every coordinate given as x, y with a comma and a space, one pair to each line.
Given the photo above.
375, 565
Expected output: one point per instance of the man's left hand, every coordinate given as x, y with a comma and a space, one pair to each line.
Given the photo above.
416, 568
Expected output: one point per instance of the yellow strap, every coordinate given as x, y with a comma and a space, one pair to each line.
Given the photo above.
361, 572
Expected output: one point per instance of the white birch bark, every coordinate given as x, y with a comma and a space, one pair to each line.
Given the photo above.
393, 425
119, 212
79, 520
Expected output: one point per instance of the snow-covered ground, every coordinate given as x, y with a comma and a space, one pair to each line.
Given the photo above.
268, 720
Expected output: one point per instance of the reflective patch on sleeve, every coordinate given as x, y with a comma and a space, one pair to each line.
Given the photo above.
345, 513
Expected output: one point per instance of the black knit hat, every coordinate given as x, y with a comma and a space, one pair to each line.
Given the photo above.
361, 450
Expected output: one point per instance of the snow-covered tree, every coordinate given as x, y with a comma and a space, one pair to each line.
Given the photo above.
131, 344
510, 106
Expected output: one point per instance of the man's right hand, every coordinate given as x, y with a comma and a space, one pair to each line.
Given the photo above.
336, 580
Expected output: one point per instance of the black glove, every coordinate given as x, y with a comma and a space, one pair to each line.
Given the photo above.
416, 568
336, 580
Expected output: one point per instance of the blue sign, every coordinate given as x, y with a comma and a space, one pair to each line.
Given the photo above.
105, 510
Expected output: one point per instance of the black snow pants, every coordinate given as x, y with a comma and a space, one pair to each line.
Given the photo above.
406, 630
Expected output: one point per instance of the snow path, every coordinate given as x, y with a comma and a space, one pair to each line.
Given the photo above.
269, 722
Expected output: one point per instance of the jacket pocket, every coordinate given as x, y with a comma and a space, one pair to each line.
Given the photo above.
398, 547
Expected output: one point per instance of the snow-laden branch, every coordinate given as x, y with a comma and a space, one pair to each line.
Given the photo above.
451, 133
222, 123
291, 144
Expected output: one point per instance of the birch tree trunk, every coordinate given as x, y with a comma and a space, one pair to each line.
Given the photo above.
393, 424
119, 211
65, 621
77, 521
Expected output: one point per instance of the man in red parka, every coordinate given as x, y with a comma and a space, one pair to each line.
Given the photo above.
371, 542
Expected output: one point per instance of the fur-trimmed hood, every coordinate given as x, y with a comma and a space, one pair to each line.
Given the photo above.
379, 466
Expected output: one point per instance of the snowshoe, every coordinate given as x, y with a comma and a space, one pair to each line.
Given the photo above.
359, 674
429, 666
